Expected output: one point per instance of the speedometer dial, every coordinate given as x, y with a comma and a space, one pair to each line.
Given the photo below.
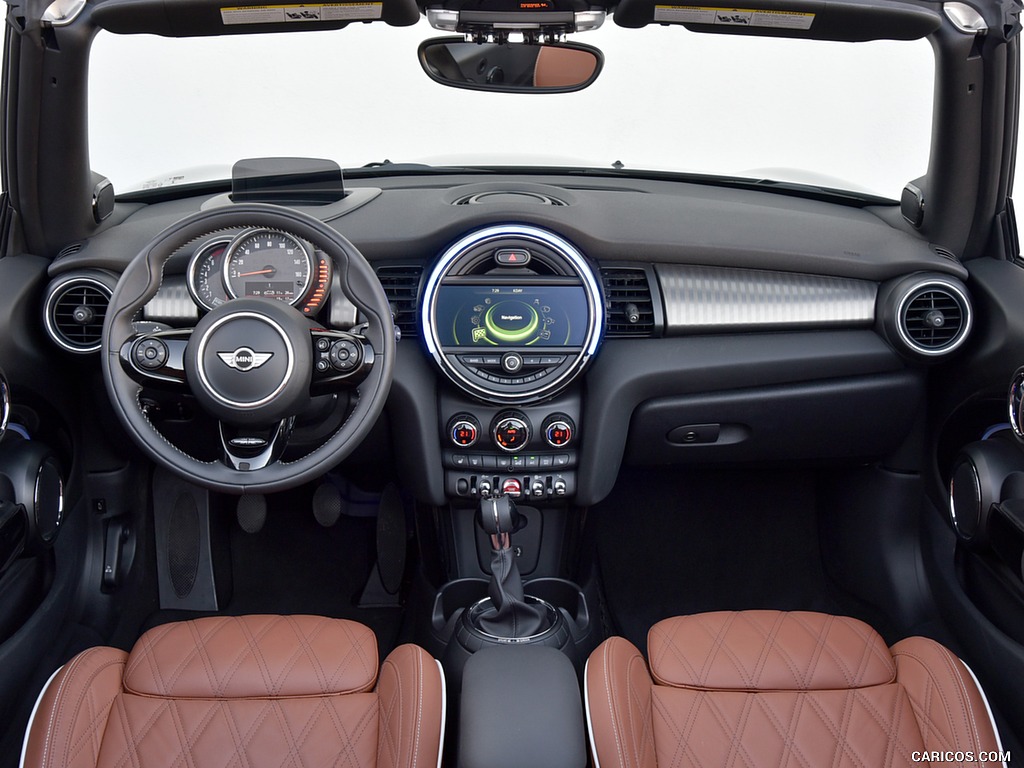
206, 275
268, 264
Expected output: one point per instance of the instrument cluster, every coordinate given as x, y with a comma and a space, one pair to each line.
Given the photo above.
260, 263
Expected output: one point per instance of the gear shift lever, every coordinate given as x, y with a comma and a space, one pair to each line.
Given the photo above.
509, 615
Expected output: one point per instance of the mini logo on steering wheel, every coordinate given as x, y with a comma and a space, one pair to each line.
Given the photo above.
244, 359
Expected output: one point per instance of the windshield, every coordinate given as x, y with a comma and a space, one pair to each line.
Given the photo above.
830, 114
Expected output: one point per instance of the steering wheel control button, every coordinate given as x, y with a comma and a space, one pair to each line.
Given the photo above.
511, 362
559, 431
511, 431
150, 354
464, 430
344, 355
323, 344
512, 257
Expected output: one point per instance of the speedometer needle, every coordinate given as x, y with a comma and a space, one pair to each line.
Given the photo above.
268, 271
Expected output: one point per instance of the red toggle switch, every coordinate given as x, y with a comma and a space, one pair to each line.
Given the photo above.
512, 487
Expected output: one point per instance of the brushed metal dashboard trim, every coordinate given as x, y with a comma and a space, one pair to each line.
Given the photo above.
699, 298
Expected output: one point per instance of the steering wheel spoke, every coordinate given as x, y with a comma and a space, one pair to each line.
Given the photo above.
340, 360
248, 449
156, 359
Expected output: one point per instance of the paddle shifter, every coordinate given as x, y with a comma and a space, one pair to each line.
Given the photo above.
509, 615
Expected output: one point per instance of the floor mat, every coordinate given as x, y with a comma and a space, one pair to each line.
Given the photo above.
689, 541
294, 565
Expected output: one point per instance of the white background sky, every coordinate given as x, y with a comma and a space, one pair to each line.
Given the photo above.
666, 99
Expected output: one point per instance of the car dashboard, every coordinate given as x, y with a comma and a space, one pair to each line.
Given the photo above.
555, 327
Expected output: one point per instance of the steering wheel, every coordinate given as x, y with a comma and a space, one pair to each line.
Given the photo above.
253, 364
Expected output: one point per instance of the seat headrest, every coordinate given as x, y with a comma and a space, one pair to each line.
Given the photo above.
768, 651
253, 657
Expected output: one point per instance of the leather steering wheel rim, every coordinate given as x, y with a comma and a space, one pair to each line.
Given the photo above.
141, 281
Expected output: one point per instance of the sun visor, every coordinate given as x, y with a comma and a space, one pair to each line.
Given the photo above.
841, 20
200, 18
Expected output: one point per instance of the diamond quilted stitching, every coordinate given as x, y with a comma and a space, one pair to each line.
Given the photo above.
320, 731
223, 657
864, 728
768, 650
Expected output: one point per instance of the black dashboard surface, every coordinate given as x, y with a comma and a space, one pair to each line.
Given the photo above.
742, 378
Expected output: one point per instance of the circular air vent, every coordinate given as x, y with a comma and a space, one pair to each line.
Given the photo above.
75, 308
933, 317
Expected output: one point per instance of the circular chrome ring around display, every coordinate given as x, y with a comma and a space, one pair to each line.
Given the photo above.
565, 250
193, 266
201, 360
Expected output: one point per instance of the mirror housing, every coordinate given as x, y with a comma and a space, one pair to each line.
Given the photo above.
510, 67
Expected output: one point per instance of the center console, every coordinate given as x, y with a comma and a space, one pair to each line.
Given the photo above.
512, 315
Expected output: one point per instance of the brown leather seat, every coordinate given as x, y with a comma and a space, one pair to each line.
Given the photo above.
247, 691
766, 688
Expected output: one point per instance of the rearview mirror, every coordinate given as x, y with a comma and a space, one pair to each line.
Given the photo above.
510, 67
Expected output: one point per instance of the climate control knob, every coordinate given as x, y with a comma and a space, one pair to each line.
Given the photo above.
559, 430
464, 430
511, 431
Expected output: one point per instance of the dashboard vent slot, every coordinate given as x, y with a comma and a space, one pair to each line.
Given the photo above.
401, 285
509, 196
75, 309
627, 292
70, 250
935, 318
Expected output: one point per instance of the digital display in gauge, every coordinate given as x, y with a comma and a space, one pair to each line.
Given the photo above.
511, 316
205, 275
268, 264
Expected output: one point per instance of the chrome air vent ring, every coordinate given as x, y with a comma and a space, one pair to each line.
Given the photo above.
76, 305
512, 314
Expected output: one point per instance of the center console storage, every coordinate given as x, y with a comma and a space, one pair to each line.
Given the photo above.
520, 705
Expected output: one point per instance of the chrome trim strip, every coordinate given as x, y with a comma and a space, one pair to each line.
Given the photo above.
5, 404
965, 18
929, 284
201, 364
586, 709
58, 291
719, 298
173, 302
444, 712
1015, 400
952, 503
61, 13
563, 248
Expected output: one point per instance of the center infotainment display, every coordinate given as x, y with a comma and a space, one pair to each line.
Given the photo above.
511, 316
